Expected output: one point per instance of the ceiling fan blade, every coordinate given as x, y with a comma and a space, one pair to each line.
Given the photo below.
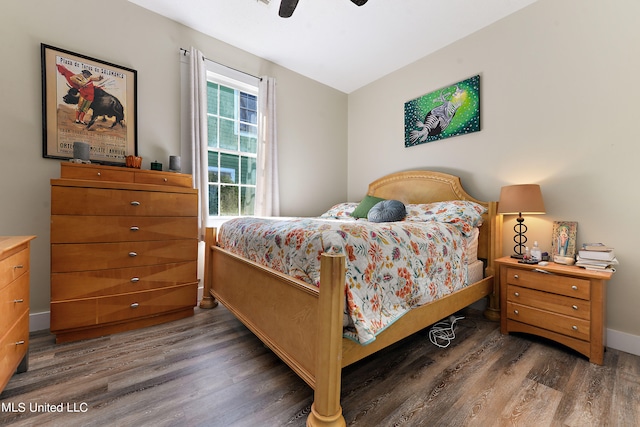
359, 2
287, 7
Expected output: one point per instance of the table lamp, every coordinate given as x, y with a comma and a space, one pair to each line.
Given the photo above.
520, 199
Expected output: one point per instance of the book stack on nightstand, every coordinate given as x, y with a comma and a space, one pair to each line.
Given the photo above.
596, 256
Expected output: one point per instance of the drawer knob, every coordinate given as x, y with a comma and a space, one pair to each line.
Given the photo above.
517, 294
17, 301
575, 307
134, 228
135, 279
574, 327
515, 276
574, 287
21, 342
99, 174
516, 312
135, 203
132, 254
165, 180
135, 305
18, 266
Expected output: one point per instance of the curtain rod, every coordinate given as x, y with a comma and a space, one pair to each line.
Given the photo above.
185, 52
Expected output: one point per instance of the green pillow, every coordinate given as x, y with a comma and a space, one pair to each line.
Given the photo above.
365, 205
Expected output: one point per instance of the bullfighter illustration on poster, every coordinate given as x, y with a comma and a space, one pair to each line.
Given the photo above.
90, 101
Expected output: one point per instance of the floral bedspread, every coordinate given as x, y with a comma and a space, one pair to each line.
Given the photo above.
391, 267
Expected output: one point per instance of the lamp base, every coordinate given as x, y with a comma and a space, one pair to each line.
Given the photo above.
517, 256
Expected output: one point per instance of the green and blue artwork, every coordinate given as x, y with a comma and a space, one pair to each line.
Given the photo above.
449, 111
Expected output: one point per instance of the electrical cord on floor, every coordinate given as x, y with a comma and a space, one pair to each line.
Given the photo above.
443, 332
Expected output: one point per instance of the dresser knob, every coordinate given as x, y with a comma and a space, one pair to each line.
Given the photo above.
516, 311
574, 287
574, 327
99, 174
135, 279
517, 294
18, 266
132, 254
135, 203
21, 342
165, 180
17, 301
135, 305
134, 228
575, 307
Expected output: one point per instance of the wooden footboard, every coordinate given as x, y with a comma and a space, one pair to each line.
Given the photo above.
302, 325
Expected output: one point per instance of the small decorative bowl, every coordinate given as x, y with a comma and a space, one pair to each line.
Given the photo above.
134, 162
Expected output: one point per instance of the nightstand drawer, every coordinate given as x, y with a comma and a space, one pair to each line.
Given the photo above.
551, 302
565, 325
563, 285
14, 301
13, 267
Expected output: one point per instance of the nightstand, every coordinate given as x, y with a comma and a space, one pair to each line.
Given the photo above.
564, 303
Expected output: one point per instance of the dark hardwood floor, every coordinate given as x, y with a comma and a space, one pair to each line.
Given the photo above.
209, 370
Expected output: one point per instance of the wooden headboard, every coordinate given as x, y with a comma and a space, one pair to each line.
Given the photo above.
422, 186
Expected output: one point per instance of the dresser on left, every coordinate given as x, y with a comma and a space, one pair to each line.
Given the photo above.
14, 306
124, 249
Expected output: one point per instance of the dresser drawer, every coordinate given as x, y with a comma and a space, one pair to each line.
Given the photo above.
97, 229
95, 173
14, 301
104, 201
563, 285
565, 325
126, 175
13, 267
118, 308
13, 347
551, 302
102, 256
170, 179
86, 284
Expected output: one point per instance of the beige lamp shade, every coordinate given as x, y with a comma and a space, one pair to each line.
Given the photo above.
521, 199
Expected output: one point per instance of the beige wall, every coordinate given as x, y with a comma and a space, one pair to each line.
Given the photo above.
559, 107
312, 118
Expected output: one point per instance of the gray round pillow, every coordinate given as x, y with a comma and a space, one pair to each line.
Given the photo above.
387, 211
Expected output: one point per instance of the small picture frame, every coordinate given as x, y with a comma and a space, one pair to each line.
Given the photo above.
87, 100
564, 238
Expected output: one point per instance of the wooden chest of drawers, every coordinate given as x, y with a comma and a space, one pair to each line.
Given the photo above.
124, 249
562, 303
14, 306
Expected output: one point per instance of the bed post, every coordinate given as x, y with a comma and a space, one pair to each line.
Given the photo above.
208, 301
492, 312
326, 410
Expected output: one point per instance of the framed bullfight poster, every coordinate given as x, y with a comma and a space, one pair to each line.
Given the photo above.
91, 101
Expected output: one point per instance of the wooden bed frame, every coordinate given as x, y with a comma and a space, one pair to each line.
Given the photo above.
302, 324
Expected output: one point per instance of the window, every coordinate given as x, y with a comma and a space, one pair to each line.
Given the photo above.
232, 120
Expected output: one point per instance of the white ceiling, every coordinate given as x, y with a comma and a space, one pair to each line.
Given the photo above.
334, 41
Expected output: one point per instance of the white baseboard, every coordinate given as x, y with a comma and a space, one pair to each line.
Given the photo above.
623, 341
39, 321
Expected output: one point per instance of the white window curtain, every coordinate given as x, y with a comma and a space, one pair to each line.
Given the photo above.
267, 194
197, 119
267, 188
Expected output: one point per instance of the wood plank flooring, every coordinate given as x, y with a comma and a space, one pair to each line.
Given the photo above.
209, 370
